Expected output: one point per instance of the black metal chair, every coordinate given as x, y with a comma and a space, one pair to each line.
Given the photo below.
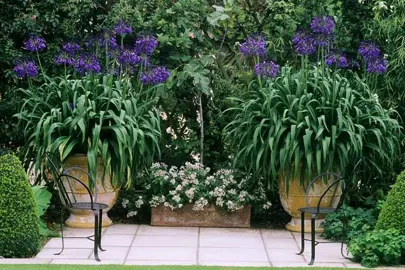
325, 205
64, 183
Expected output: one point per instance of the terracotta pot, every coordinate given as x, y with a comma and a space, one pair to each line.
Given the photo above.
210, 217
296, 199
106, 193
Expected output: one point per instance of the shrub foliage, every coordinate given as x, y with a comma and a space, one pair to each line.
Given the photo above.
19, 225
392, 215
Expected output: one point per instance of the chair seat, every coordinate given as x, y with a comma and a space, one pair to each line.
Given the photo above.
87, 206
314, 210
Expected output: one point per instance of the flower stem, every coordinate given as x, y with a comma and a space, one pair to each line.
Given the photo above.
40, 65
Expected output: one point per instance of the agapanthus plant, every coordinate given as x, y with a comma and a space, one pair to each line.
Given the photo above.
71, 47
272, 133
122, 28
145, 44
26, 68
35, 44
255, 45
304, 43
267, 69
103, 106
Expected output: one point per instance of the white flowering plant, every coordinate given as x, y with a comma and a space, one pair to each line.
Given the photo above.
195, 184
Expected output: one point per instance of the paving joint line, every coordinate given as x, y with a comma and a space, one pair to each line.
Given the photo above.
265, 248
299, 247
130, 246
198, 246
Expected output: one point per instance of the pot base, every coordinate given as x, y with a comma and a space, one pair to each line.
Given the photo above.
295, 225
85, 220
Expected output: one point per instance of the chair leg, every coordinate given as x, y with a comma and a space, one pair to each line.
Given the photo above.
96, 235
312, 239
302, 233
100, 226
61, 229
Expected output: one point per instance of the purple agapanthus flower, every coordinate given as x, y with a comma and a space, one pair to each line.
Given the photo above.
155, 76
64, 58
267, 69
255, 45
324, 40
304, 43
87, 63
129, 57
35, 44
342, 62
145, 45
338, 59
377, 66
323, 25
122, 28
330, 59
369, 50
71, 47
108, 39
26, 68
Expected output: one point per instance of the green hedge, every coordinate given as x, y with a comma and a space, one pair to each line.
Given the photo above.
19, 225
392, 215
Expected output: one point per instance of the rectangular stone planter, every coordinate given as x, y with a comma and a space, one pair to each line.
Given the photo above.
210, 217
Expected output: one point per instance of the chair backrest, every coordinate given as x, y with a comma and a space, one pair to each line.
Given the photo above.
54, 164
334, 186
335, 191
92, 184
67, 188
66, 183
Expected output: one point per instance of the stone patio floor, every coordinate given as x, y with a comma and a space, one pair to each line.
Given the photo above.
147, 245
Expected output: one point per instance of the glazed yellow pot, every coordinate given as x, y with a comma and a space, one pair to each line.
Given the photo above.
106, 193
295, 199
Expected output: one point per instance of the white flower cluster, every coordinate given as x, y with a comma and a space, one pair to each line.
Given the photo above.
192, 184
200, 204
157, 200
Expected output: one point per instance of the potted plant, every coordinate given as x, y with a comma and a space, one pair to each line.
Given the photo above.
99, 117
192, 196
316, 119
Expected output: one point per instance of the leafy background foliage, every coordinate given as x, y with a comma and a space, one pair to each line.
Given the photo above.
194, 28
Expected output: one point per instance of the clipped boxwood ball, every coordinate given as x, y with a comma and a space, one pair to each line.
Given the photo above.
19, 225
392, 215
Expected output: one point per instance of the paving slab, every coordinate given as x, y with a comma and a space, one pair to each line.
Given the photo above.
305, 264
235, 264
353, 265
150, 245
176, 231
122, 229
70, 253
116, 240
79, 232
235, 232
269, 233
69, 243
112, 253
85, 262
280, 243
284, 255
229, 241
25, 261
232, 254
160, 263
165, 241
162, 254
